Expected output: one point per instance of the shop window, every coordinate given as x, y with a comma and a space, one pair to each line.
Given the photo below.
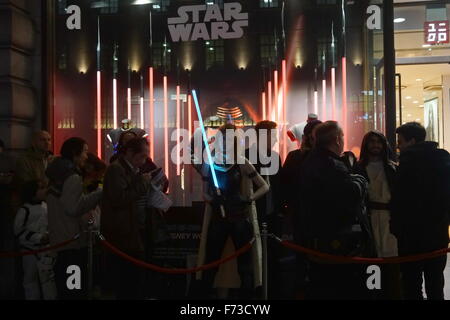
268, 3
62, 5
268, 49
161, 5
218, 2
214, 53
110, 6
161, 55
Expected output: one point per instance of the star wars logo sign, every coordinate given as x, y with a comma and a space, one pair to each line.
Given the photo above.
436, 32
214, 25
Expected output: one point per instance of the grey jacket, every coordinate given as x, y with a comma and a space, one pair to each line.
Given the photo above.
66, 204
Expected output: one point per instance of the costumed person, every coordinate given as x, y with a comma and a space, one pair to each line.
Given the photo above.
30, 228
295, 133
240, 222
114, 136
375, 165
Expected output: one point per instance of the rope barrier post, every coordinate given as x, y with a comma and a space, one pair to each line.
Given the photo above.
90, 260
264, 236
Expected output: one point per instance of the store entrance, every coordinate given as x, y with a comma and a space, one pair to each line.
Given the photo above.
423, 94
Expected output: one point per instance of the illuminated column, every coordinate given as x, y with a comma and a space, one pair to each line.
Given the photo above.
285, 122
269, 99
115, 103
178, 132
190, 116
275, 92
129, 103
99, 114
151, 115
333, 94
344, 101
263, 101
324, 100
166, 129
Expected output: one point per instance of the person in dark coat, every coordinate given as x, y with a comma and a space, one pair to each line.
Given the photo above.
330, 198
420, 210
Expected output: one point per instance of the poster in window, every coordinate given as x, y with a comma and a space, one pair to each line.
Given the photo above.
431, 112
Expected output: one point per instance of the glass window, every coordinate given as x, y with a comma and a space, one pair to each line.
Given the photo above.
214, 53
62, 5
110, 6
268, 49
161, 5
161, 55
268, 3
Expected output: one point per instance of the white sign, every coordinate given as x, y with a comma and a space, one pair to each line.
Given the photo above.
189, 27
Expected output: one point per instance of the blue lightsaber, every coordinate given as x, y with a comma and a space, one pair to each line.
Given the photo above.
208, 152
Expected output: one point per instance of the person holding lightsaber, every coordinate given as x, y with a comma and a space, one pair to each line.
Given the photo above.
233, 176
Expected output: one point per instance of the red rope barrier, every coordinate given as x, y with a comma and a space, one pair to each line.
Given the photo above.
344, 259
27, 253
153, 267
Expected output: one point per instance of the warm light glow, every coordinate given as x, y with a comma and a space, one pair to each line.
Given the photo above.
141, 109
324, 100
263, 102
333, 94
275, 92
115, 103
99, 114
129, 103
151, 115
166, 129
344, 101
178, 131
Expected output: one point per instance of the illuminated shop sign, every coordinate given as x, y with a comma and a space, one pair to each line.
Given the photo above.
208, 22
436, 32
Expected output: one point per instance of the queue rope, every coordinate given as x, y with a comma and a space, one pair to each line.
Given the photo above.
156, 268
33, 252
360, 260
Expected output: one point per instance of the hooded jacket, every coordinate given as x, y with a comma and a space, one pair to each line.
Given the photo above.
66, 203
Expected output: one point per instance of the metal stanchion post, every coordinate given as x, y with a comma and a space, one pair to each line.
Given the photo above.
90, 260
264, 259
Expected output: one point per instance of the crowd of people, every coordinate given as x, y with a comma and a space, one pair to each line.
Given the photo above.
373, 205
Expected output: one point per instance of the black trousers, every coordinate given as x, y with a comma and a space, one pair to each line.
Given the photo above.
129, 279
241, 232
336, 282
433, 272
66, 258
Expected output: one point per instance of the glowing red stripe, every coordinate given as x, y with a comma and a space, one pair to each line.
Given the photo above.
99, 114
178, 132
115, 103
269, 98
316, 102
333, 93
129, 103
152, 114
263, 105
324, 100
275, 92
284, 79
141, 109
190, 116
344, 101
166, 130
